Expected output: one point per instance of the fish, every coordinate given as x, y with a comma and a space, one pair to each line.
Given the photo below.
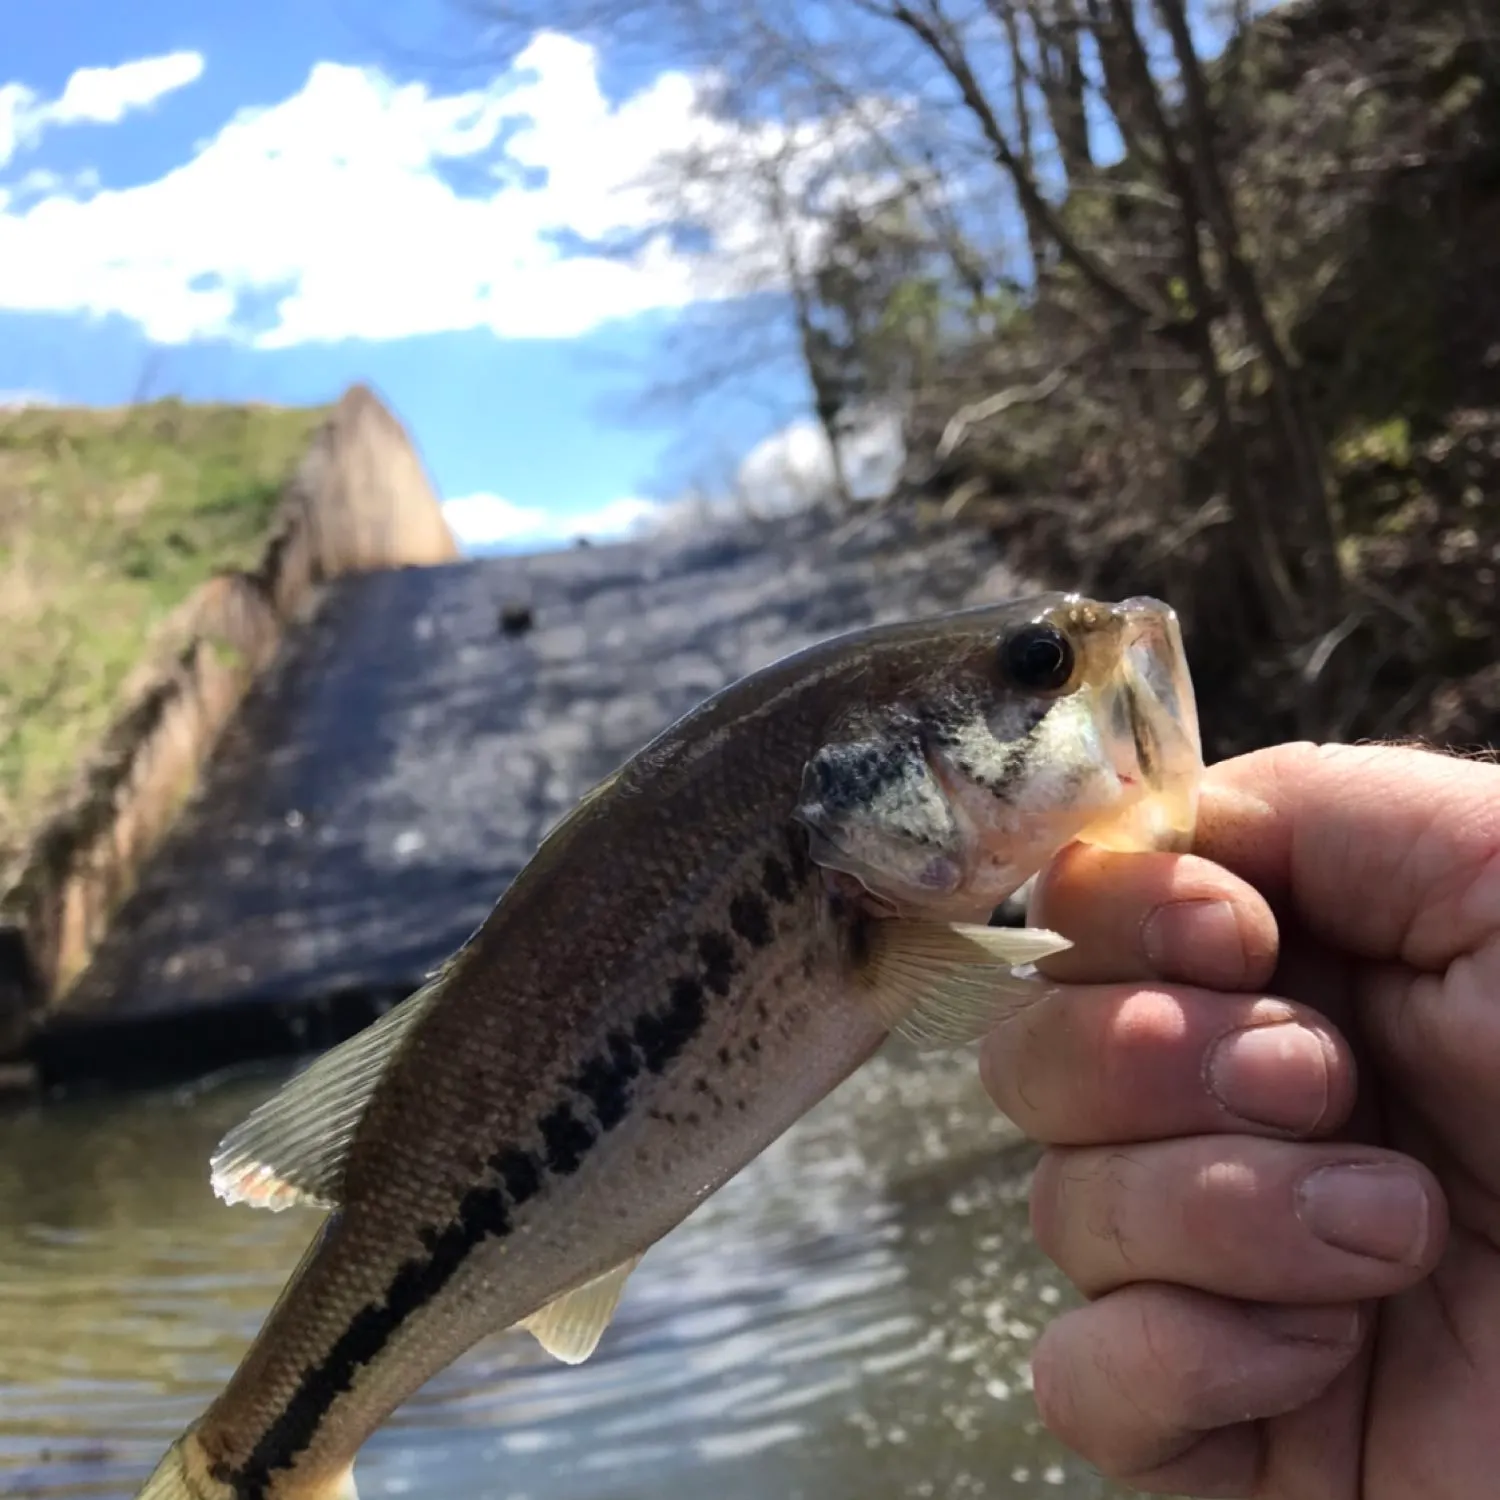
710, 942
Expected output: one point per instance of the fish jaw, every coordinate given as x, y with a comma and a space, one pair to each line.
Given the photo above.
1149, 715
1006, 840
1121, 762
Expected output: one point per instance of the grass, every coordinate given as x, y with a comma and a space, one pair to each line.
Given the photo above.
108, 520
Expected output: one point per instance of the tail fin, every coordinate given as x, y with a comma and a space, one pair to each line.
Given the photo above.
180, 1476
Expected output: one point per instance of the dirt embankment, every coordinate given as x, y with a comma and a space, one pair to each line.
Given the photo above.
359, 500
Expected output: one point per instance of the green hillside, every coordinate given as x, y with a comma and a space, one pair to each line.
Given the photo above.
108, 520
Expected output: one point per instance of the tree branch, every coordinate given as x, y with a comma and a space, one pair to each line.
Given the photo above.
968, 417
1033, 202
1304, 444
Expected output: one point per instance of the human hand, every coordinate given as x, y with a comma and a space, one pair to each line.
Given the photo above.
1284, 1212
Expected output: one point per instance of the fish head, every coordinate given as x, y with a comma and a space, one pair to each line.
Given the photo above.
1022, 729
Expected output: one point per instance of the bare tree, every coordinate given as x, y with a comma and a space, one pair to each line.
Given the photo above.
772, 198
828, 399
1141, 312
1301, 441
1059, 31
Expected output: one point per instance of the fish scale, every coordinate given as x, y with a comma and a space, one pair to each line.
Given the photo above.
592, 1092
711, 942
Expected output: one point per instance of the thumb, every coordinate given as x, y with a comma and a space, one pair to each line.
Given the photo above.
1385, 852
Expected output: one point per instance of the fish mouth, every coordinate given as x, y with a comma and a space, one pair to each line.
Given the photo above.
1150, 720
1156, 676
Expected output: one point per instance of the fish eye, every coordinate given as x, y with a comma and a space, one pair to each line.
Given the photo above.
1037, 659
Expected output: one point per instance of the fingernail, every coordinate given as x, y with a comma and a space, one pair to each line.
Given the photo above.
1196, 939
1308, 1325
1378, 1211
1273, 1075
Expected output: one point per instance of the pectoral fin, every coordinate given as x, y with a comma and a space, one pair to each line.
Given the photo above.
944, 984
570, 1328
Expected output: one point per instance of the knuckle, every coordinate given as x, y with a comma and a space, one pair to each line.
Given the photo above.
1136, 1025
1046, 1204
1015, 1063
1182, 1380
1053, 1389
1093, 1396
1107, 1193
1081, 1216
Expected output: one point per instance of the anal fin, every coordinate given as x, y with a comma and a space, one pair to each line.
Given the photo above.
570, 1327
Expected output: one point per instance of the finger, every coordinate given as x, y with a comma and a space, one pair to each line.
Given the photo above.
1390, 853
1240, 1217
1092, 1064
1393, 854
1314, 1450
1153, 916
1440, 1037
1159, 1385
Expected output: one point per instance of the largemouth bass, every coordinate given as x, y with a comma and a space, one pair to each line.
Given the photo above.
709, 943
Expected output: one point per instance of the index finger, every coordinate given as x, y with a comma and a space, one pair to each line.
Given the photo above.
1388, 852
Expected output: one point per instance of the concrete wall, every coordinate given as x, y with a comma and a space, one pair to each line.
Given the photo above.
360, 500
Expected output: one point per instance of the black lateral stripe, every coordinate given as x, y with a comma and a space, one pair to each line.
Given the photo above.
751, 919
483, 1212
568, 1140
604, 1081
662, 1035
520, 1174
719, 961
776, 880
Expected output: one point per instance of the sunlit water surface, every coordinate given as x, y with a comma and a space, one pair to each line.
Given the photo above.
848, 1320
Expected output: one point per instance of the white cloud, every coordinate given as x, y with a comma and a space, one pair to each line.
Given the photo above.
16, 102
793, 468
788, 471
333, 213
483, 520
19, 400
92, 96
103, 96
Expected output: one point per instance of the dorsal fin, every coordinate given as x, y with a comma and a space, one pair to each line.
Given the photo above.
290, 1150
944, 984
570, 1327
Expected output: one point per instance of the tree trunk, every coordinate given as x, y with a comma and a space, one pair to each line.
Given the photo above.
1064, 82
1120, 90
1021, 106
1252, 519
1123, 299
827, 400
1300, 436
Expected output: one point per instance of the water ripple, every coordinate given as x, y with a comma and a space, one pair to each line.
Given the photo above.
850, 1317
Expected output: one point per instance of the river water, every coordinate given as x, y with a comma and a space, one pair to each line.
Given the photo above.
847, 1320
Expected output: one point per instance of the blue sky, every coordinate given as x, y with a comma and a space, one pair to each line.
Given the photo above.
269, 202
